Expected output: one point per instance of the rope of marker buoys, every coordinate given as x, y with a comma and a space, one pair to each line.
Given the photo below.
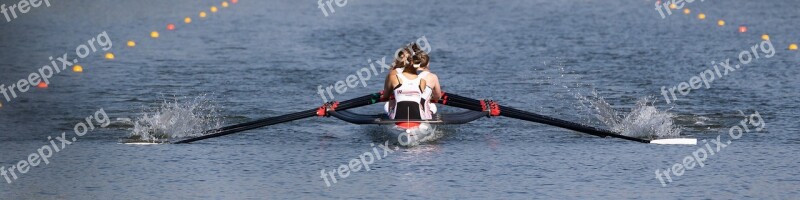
721, 23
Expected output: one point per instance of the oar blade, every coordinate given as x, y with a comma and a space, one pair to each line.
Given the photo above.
675, 141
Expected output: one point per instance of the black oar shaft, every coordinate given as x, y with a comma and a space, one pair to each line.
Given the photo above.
473, 104
353, 103
265, 122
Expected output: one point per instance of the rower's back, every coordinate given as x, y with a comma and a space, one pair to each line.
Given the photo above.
408, 96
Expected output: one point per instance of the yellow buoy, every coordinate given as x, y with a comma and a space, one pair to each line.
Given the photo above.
765, 37
687, 11
673, 6
202, 14
793, 47
701, 16
110, 56
187, 20
77, 68
213, 9
154, 34
224, 4
721, 23
131, 43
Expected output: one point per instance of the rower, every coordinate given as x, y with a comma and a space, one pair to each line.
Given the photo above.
433, 90
407, 89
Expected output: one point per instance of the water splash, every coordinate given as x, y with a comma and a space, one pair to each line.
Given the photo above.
643, 121
186, 117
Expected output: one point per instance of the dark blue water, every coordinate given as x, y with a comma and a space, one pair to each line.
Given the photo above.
264, 58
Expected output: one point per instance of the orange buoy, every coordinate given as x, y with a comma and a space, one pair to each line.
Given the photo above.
170, 27
701, 16
765, 37
109, 56
742, 29
77, 68
42, 85
224, 4
673, 6
237, 1
154, 34
187, 20
687, 11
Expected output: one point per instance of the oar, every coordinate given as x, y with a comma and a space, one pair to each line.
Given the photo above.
370, 97
353, 103
474, 104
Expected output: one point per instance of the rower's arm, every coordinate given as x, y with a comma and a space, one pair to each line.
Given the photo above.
437, 88
387, 85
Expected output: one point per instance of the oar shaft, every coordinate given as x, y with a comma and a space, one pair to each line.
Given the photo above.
265, 122
369, 97
473, 104
352, 103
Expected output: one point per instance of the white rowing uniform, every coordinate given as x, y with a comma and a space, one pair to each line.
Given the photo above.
428, 106
408, 95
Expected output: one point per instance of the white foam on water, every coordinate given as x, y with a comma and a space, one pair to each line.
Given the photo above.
643, 121
176, 118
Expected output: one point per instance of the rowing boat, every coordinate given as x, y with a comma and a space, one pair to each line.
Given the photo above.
410, 132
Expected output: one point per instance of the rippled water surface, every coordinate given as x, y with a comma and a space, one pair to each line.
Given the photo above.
584, 61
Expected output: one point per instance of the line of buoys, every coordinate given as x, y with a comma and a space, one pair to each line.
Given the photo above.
742, 28
153, 34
